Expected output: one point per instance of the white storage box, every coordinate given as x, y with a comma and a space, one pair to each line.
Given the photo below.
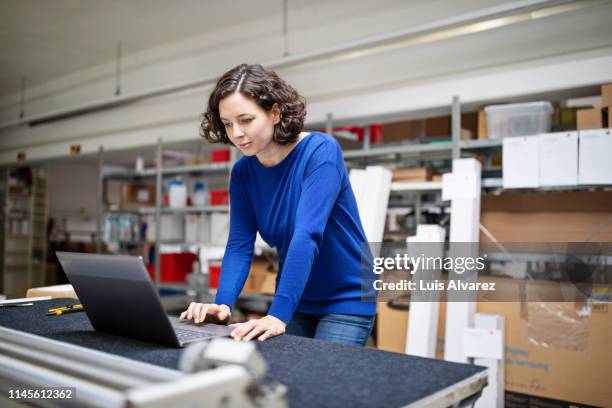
520, 162
192, 228
219, 228
559, 159
518, 119
172, 228
594, 159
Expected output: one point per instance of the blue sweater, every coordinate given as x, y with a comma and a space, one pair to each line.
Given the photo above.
305, 207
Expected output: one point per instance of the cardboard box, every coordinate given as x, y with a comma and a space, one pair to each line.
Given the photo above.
406, 130
606, 95
136, 195
550, 350
483, 131
548, 357
551, 202
430, 128
594, 164
520, 162
466, 134
412, 174
57, 291
260, 276
256, 275
547, 217
559, 159
268, 286
589, 119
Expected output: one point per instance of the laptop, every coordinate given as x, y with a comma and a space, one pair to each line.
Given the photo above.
119, 298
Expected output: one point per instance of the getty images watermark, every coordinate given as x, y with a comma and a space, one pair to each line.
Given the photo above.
507, 272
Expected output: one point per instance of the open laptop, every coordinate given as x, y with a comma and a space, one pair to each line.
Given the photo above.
119, 298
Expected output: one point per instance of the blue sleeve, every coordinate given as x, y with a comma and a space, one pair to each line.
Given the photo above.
239, 250
320, 191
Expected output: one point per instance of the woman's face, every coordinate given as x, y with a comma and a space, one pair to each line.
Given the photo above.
248, 126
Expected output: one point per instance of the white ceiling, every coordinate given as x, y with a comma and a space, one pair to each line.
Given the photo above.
42, 40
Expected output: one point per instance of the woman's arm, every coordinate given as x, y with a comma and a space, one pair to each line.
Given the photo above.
319, 194
239, 250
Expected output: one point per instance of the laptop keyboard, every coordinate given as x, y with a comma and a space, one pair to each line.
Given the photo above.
183, 334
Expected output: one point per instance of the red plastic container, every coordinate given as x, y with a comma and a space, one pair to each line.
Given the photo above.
174, 267
214, 273
376, 133
219, 197
220, 156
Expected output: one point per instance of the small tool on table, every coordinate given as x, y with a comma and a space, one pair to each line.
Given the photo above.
65, 309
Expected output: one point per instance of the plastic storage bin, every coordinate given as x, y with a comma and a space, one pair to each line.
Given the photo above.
214, 274
219, 197
200, 194
518, 119
174, 267
218, 156
177, 191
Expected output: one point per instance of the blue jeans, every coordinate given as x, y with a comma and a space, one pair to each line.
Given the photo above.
337, 328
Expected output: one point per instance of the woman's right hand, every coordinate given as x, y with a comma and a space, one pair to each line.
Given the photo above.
209, 312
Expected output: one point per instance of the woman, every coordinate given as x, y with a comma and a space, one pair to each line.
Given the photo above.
294, 189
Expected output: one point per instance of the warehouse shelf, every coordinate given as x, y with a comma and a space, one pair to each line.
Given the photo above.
480, 144
188, 210
401, 186
410, 149
142, 210
423, 151
542, 257
207, 168
168, 210
23, 236
130, 174
497, 183
198, 168
156, 176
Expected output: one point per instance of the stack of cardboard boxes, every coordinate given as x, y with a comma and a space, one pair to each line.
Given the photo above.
262, 277
135, 195
552, 354
555, 351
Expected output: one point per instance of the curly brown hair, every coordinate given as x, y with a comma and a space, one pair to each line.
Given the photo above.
266, 89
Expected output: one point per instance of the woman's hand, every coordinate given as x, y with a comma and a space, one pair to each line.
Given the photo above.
209, 312
261, 329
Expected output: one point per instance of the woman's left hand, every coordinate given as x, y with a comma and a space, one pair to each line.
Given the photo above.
261, 329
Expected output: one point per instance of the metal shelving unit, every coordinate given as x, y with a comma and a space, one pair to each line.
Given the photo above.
435, 151
165, 210
157, 175
24, 249
405, 186
440, 150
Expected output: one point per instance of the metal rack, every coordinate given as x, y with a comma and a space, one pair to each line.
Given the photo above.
428, 151
157, 174
24, 250
453, 149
